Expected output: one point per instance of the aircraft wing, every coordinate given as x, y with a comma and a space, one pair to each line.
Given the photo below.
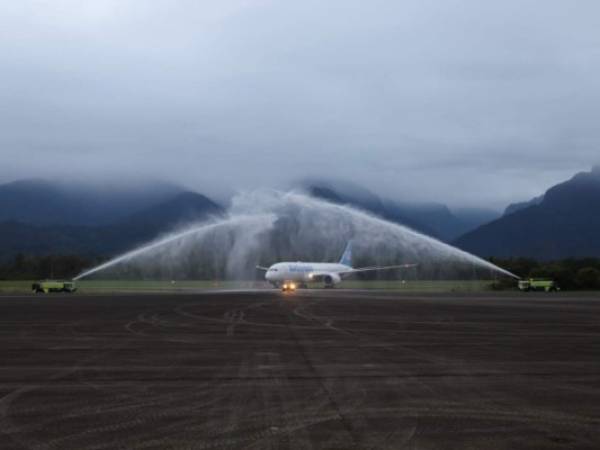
367, 269
262, 268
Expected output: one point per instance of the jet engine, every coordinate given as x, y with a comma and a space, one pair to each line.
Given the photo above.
331, 279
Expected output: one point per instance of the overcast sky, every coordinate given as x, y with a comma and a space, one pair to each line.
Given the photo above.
468, 102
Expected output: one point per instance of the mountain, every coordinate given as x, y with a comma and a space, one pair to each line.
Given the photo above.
514, 207
358, 197
43, 202
18, 237
564, 224
433, 219
142, 226
182, 209
446, 224
472, 218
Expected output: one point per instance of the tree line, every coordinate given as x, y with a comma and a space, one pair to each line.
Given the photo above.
27, 267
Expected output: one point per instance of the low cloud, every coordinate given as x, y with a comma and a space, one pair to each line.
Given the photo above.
460, 101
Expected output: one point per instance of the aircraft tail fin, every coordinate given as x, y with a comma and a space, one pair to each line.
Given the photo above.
346, 258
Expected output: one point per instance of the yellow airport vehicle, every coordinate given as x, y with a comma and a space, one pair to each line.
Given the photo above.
533, 284
47, 286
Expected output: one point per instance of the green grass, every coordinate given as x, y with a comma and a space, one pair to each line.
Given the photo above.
15, 286
156, 285
108, 286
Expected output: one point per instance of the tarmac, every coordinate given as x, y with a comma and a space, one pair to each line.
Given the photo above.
312, 370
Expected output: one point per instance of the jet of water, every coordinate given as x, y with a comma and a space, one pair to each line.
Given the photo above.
338, 223
196, 230
267, 226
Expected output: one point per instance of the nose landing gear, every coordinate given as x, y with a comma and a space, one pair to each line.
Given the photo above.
288, 286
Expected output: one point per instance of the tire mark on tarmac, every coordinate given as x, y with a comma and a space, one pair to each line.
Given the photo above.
255, 436
489, 411
9, 428
172, 420
355, 441
236, 316
137, 419
301, 311
359, 419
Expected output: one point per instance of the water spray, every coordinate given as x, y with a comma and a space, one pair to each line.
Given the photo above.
173, 238
268, 226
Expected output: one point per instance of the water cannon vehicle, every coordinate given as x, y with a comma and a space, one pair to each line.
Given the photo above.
47, 286
538, 284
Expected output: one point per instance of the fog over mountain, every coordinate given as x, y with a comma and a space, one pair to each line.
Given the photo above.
43, 217
460, 102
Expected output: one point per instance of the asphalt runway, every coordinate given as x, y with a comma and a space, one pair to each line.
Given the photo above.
314, 370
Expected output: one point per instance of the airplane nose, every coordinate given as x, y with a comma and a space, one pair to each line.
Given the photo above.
268, 276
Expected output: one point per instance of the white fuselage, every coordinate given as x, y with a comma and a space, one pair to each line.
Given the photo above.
302, 271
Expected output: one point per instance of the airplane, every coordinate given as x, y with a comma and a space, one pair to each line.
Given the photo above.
290, 275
